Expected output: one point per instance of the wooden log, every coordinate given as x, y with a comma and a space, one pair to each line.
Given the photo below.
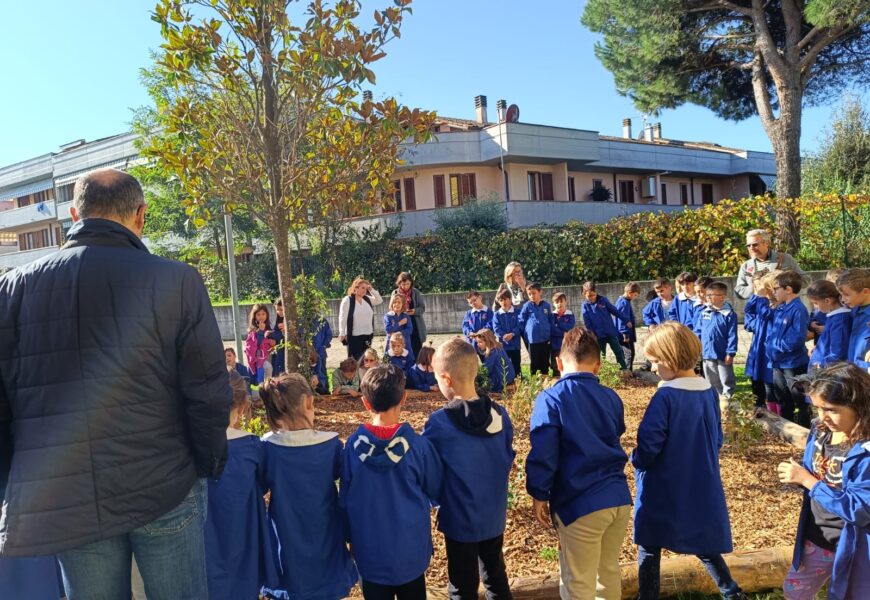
787, 431
754, 571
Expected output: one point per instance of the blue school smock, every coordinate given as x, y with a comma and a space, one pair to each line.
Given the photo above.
418, 379
561, 325
500, 369
654, 313
786, 346
859, 338
576, 462
680, 502
833, 343
474, 439
758, 315
623, 305
852, 504
386, 490
598, 317
30, 578
718, 332
300, 468
536, 322
697, 308
816, 317
682, 309
391, 325
320, 341
404, 361
239, 554
475, 320
505, 322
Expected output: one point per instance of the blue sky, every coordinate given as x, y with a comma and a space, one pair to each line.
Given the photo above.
73, 71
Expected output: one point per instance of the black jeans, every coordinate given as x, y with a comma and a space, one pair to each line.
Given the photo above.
413, 590
759, 391
468, 563
357, 344
539, 357
514, 355
788, 398
649, 576
628, 352
416, 342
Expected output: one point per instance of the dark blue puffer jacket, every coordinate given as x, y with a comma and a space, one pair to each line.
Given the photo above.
114, 393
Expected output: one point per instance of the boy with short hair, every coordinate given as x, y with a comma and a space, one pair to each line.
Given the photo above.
576, 470
700, 303
536, 322
627, 328
234, 364
473, 436
505, 325
786, 346
854, 287
345, 379
656, 311
477, 317
682, 309
563, 321
718, 323
389, 475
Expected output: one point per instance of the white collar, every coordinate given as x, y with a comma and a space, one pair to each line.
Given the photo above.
482, 309
838, 311
391, 313
691, 384
567, 312
403, 354
502, 311
235, 434
302, 437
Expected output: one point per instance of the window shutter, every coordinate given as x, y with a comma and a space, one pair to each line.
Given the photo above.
472, 185
440, 199
410, 197
547, 186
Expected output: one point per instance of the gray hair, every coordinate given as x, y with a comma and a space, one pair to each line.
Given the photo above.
762, 233
107, 193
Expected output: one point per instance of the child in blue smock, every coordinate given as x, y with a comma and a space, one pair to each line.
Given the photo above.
506, 326
536, 323
563, 322
390, 478
833, 534
398, 354
397, 320
473, 435
300, 467
756, 319
238, 546
598, 314
678, 441
421, 376
854, 287
477, 317
682, 309
786, 346
657, 310
498, 365
34, 578
832, 344
321, 339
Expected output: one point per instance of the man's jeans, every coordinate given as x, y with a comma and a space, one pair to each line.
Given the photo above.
170, 552
649, 573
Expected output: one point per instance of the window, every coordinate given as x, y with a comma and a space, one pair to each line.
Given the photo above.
597, 183
34, 239
540, 186
462, 186
396, 204
65, 192
707, 193
626, 191
664, 193
410, 196
572, 195
684, 194
440, 198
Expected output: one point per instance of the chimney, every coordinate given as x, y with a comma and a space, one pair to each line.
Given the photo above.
500, 109
648, 133
367, 95
657, 131
626, 128
480, 109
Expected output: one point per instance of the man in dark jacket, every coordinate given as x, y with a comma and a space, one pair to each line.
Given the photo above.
114, 401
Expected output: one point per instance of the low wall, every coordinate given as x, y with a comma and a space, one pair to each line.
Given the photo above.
444, 312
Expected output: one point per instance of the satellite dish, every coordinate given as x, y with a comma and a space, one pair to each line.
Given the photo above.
513, 114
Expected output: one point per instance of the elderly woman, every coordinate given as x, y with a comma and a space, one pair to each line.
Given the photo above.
762, 258
515, 281
416, 308
356, 317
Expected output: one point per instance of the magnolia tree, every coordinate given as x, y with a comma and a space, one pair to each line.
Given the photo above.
739, 58
267, 114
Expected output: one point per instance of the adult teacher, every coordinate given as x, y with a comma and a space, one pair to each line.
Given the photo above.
515, 282
356, 317
761, 257
415, 308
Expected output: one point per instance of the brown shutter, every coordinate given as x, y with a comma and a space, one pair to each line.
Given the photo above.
547, 186
410, 197
22, 241
440, 199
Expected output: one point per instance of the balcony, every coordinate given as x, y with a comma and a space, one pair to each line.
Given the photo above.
27, 215
17, 259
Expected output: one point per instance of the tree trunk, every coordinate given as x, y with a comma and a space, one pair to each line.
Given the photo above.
786, 140
281, 232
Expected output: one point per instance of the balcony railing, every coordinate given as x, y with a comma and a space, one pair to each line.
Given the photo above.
27, 215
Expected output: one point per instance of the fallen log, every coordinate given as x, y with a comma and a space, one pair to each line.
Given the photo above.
754, 570
784, 429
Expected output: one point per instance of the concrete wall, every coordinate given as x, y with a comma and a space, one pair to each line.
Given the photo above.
444, 312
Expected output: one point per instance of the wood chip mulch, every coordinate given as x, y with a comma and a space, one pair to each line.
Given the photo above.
763, 512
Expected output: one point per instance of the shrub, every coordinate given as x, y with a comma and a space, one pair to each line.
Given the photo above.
487, 213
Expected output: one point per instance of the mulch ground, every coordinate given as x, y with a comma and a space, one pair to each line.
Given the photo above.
763, 512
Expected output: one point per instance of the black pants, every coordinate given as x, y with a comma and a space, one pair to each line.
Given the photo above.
416, 342
649, 573
788, 398
539, 357
628, 353
759, 391
468, 563
357, 344
413, 590
554, 353
514, 355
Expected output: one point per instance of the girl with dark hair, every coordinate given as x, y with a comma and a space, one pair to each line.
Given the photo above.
259, 343
414, 307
